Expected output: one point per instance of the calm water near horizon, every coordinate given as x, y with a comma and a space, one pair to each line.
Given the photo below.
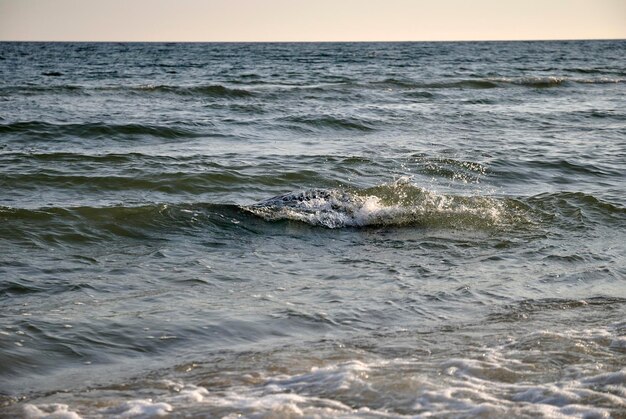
375, 230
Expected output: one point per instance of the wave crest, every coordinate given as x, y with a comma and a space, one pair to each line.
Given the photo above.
398, 203
46, 130
216, 90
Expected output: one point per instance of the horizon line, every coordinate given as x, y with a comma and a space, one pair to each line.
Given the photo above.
314, 42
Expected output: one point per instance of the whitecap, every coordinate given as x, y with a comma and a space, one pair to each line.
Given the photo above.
397, 203
49, 411
140, 408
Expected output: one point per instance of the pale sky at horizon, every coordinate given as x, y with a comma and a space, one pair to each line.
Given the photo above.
304, 20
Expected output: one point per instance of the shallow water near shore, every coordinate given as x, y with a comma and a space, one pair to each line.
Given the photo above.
313, 230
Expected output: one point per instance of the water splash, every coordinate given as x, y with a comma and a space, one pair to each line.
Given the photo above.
397, 203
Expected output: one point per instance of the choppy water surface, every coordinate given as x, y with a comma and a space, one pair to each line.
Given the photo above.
340, 230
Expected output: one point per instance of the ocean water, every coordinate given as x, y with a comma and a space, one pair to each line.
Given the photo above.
373, 230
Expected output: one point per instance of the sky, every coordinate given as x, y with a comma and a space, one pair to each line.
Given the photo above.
310, 20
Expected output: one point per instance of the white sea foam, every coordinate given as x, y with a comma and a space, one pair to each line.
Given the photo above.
502, 380
509, 379
185, 392
282, 404
49, 411
140, 408
397, 203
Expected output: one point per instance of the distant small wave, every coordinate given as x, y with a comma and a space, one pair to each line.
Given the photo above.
64, 89
26, 286
494, 82
176, 182
601, 80
412, 88
578, 209
91, 130
426, 87
464, 84
573, 167
217, 90
537, 82
331, 122
207, 90
443, 84
53, 225
554, 81
599, 71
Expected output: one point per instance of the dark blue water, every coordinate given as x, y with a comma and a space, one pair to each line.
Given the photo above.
331, 230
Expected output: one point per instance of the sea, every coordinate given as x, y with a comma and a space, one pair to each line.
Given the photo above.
316, 230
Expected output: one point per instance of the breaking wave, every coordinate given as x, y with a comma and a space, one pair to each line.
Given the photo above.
398, 203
